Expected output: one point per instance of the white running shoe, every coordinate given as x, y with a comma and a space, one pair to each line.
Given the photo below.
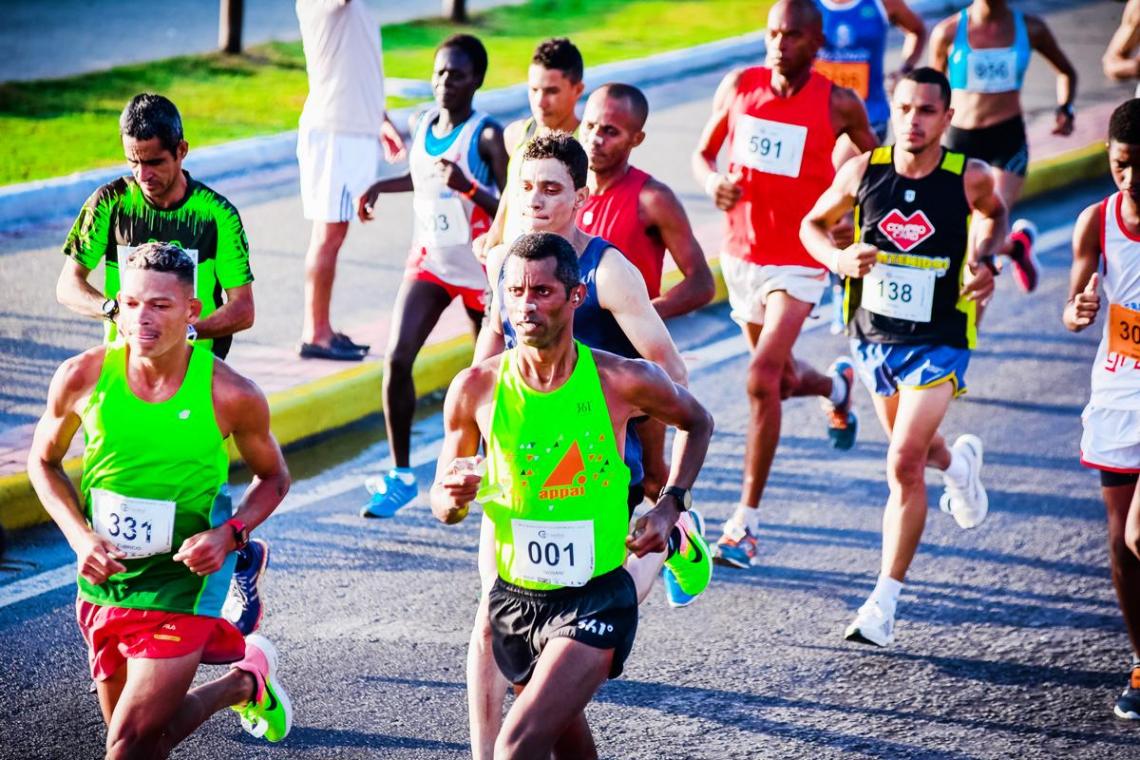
871, 626
966, 502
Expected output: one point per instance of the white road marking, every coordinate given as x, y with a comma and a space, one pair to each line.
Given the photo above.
701, 358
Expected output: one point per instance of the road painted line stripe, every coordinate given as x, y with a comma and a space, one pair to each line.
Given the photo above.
18, 591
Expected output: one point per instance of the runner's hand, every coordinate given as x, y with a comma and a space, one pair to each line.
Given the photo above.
979, 283
98, 559
203, 553
481, 246
460, 484
393, 143
366, 204
453, 176
1086, 304
856, 260
843, 233
724, 190
1064, 122
651, 531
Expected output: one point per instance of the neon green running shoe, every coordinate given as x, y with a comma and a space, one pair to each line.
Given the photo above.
269, 715
688, 569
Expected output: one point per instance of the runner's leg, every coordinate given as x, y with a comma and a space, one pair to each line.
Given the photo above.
320, 270
109, 691
486, 685
152, 696
234, 688
1124, 564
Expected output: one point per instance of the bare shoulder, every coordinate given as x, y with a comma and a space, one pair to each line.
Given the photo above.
514, 132
728, 86
77, 376
632, 375
946, 28
474, 385
977, 172
656, 195
234, 393
1089, 222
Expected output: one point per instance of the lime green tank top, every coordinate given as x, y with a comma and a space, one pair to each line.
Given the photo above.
556, 487
154, 474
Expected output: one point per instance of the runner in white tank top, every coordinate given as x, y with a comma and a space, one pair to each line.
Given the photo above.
1106, 257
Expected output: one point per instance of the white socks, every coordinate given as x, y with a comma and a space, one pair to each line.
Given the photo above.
958, 471
839, 389
406, 475
886, 594
747, 517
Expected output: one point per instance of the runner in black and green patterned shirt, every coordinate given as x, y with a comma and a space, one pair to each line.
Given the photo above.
160, 203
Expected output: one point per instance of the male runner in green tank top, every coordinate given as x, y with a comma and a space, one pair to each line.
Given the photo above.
554, 85
154, 531
554, 412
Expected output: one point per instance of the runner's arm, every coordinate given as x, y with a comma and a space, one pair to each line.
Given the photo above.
235, 315
941, 38
835, 203
451, 495
900, 14
74, 291
490, 341
1084, 302
97, 557
392, 141
1045, 43
664, 212
721, 188
646, 388
849, 117
621, 291
366, 203
989, 224
1120, 61
88, 242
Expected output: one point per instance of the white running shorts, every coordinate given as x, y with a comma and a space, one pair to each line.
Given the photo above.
750, 284
1111, 440
335, 169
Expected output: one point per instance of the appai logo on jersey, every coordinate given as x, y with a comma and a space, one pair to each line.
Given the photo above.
568, 478
906, 231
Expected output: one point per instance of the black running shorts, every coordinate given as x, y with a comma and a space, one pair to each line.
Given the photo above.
1002, 145
602, 614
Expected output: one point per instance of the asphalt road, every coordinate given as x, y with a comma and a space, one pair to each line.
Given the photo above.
1008, 643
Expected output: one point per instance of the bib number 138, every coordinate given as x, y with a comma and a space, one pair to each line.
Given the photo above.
559, 553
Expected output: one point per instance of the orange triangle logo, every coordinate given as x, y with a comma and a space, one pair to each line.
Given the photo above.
568, 469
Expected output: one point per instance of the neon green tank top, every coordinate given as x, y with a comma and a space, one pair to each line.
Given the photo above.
154, 475
556, 487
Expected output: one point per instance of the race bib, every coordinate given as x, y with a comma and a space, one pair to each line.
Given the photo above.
138, 527
899, 292
769, 146
991, 70
441, 222
855, 75
1124, 331
558, 553
122, 252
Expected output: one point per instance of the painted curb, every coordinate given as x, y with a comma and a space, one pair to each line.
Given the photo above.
321, 406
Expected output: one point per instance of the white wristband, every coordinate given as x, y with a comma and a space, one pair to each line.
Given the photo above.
833, 260
711, 183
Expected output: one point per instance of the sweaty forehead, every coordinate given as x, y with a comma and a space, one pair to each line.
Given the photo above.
540, 76
517, 270
546, 170
146, 284
917, 93
605, 108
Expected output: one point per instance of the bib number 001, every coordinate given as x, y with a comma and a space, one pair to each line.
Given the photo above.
558, 553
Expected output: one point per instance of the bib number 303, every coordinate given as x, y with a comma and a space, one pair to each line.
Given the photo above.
1124, 331
441, 222
138, 527
899, 292
767, 146
558, 553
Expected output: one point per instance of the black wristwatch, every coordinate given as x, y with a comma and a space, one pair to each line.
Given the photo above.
991, 264
1067, 109
110, 309
683, 496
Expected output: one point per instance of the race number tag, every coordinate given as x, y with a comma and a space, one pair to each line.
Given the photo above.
441, 222
855, 75
1124, 331
769, 146
991, 70
899, 292
559, 553
138, 527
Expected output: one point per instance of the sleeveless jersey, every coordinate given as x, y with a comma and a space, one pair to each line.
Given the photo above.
1115, 374
855, 41
558, 483
989, 69
922, 230
782, 147
594, 326
167, 461
613, 215
446, 221
117, 218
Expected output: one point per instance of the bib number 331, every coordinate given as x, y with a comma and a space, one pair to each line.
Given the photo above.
769, 146
558, 553
138, 527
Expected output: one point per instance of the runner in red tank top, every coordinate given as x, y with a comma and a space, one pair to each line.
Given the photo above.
638, 214
781, 123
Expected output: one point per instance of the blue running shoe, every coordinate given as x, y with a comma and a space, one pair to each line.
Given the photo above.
737, 547
688, 571
842, 422
243, 602
389, 495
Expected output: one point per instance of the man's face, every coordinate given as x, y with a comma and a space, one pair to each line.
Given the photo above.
154, 309
537, 303
546, 195
918, 116
156, 169
609, 131
552, 95
792, 41
1124, 161
453, 80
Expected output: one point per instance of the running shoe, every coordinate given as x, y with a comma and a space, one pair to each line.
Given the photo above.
1128, 703
1025, 267
871, 626
688, 569
842, 422
737, 547
389, 495
269, 714
966, 502
243, 602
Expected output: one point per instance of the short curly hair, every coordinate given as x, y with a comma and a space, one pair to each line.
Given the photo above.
566, 149
1124, 124
560, 54
163, 257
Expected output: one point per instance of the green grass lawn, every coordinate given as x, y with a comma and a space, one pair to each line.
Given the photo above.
61, 126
